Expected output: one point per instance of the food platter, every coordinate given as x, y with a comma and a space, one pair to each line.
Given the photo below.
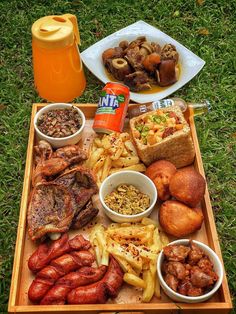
191, 64
127, 299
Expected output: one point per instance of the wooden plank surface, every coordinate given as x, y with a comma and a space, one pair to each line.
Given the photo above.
21, 276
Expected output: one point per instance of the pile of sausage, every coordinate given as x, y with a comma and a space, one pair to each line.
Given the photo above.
64, 274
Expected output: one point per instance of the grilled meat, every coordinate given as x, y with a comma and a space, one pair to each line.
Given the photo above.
50, 210
56, 204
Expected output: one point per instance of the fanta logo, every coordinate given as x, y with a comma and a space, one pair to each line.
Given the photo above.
109, 101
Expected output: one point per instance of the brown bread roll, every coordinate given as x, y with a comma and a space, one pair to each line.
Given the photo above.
160, 172
188, 186
178, 219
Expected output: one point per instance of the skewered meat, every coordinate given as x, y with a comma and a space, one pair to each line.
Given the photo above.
50, 210
100, 291
59, 267
46, 252
84, 276
137, 81
188, 186
178, 219
176, 253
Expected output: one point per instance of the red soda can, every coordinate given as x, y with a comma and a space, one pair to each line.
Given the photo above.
112, 108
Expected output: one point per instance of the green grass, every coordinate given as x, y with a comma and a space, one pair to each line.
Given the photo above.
182, 20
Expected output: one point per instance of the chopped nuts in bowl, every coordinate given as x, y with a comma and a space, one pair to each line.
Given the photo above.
127, 200
59, 124
127, 196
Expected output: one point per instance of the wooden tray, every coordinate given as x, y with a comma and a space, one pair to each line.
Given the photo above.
22, 277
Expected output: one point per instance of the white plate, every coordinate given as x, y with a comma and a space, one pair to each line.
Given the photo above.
190, 63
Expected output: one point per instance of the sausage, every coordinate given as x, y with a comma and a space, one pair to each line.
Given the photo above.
100, 291
91, 294
59, 267
84, 276
48, 251
113, 277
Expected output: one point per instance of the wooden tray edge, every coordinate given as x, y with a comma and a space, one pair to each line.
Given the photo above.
12, 308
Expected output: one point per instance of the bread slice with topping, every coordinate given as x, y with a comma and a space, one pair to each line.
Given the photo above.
163, 134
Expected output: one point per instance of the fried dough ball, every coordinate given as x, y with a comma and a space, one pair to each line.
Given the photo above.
188, 186
178, 219
160, 172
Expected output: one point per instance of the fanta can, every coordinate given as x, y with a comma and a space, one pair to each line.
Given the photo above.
112, 108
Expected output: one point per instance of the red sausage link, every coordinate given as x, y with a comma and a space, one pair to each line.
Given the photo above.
100, 291
91, 294
84, 276
58, 268
47, 252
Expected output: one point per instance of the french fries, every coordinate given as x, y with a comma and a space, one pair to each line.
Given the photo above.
113, 153
134, 280
135, 246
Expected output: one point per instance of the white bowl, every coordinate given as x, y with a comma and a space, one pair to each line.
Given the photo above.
190, 63
62, 141
140, 181
218, 268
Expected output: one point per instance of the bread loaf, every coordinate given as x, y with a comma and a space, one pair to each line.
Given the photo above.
177, 147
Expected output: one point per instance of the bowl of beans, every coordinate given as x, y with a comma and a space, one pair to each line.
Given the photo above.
59, 124
127, 196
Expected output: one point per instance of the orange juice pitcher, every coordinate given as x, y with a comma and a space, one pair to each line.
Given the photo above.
58, 70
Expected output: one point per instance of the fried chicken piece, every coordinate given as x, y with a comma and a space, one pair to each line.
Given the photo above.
200, 279
178, 219
171, 281
205, 264
186, 288
176, 269
49, 163
195, 254
176, 253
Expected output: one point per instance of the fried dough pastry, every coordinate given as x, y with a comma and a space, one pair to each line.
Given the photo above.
188, 186
160, 172
178, 219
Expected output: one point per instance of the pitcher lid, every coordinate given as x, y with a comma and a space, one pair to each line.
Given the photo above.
56, 31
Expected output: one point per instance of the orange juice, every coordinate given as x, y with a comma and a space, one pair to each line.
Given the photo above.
58, 71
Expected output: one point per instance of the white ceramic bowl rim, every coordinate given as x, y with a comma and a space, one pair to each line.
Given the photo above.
141, 176
205, 295
54, 106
